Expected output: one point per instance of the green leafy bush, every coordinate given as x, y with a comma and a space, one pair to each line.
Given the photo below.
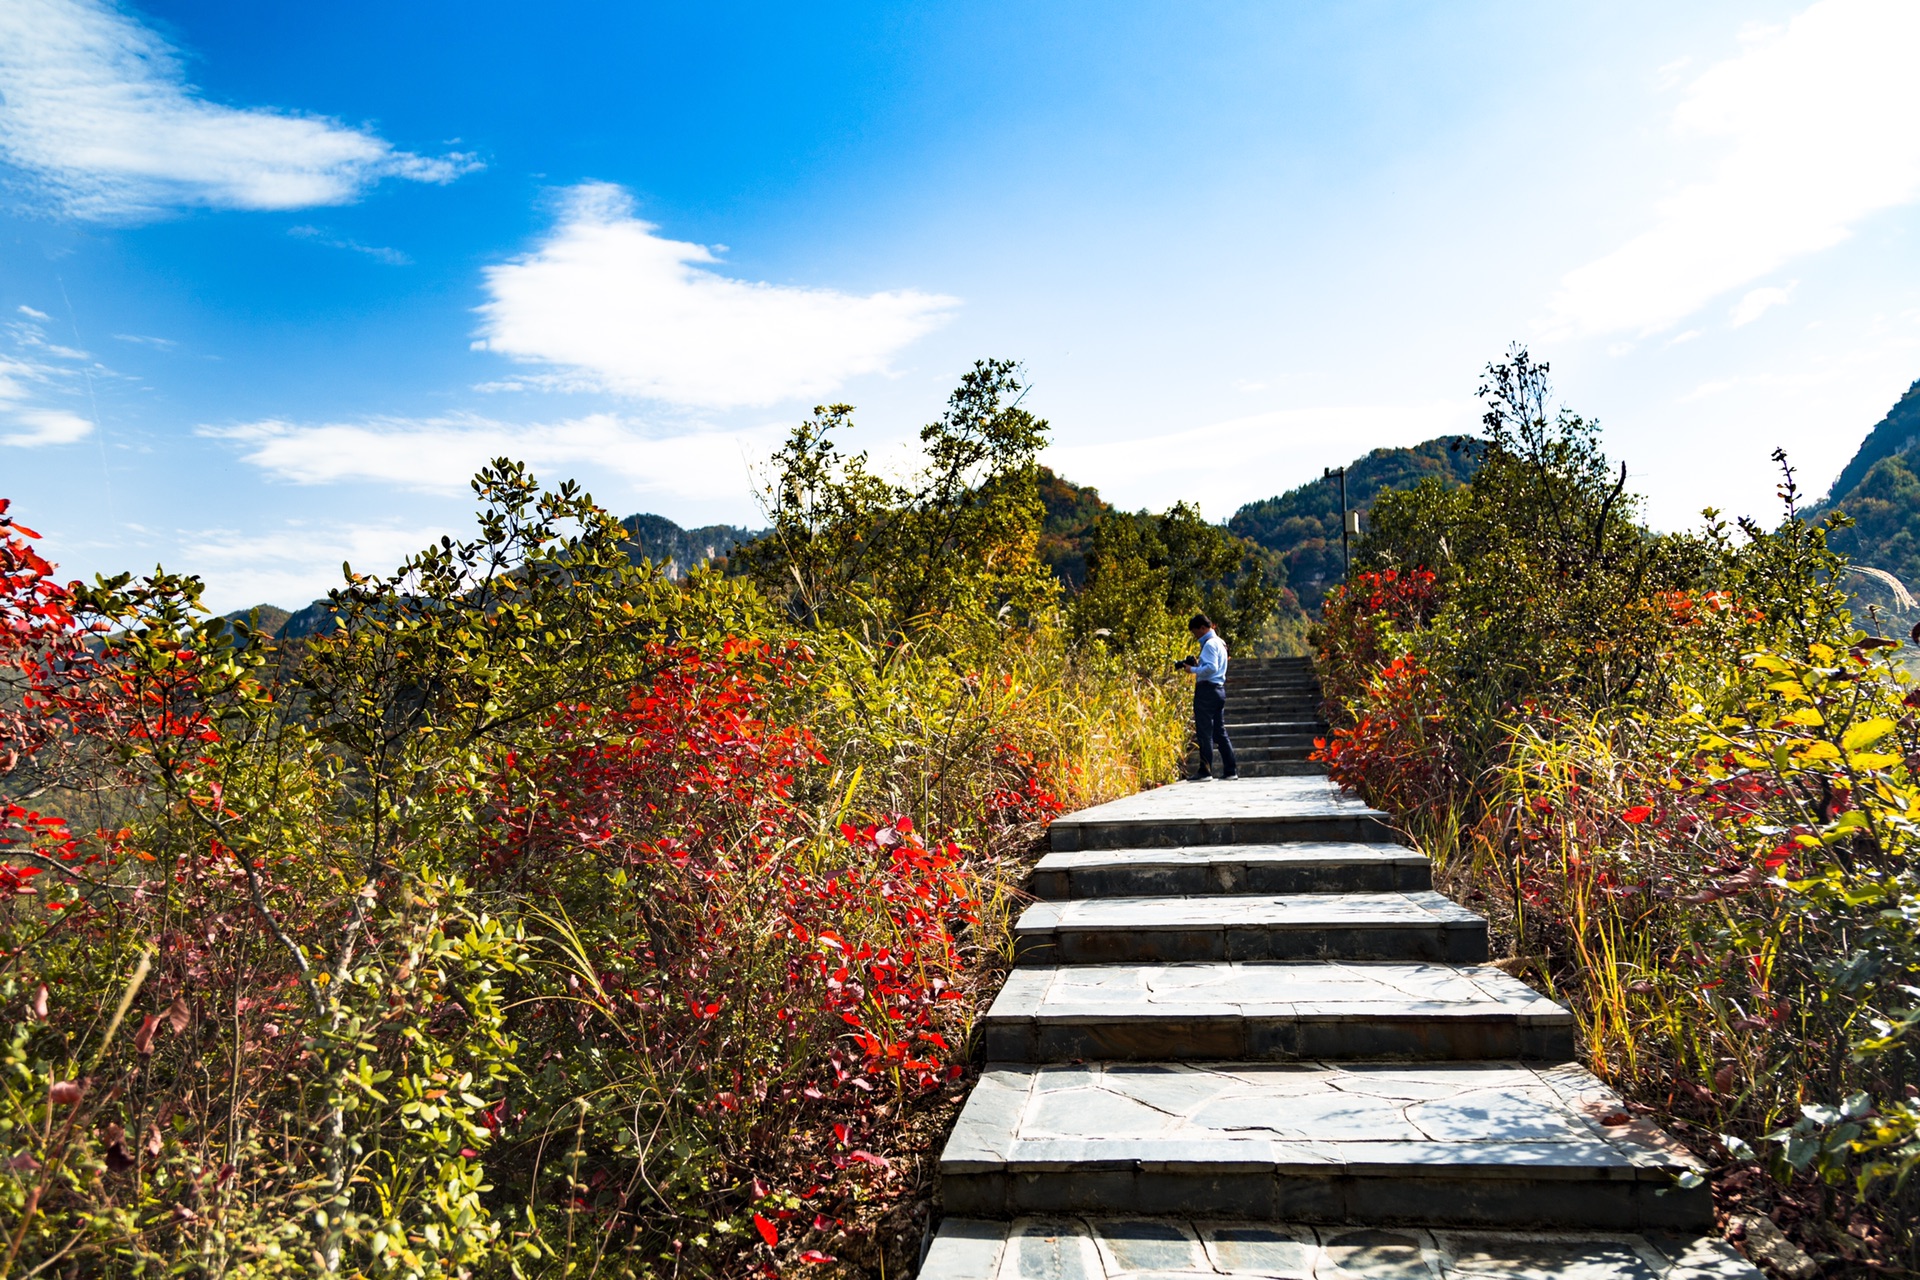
543, 916
1680, 777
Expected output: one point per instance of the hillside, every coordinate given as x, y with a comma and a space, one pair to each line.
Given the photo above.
1300, 528
1880, 490
1067, 533
678, 550
1302, 525
1892, 436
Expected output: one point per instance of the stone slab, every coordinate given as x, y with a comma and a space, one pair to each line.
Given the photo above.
1247, 811
1301, 867
1491, 1144
1270, 1012
1117, 1248
1412, 925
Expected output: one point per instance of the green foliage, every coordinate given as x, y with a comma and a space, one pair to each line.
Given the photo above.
1546, 569
480, 929
1891, 437
1302, 526
1066, 535
954, 543
1681, 781
1148, 574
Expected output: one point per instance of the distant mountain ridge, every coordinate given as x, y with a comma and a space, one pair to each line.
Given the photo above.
1302, 525
1879, 489
680, 551
1299, 528
656, 539
1892, 436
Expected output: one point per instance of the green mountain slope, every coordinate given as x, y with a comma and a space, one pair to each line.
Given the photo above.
1893, 435
1067, 532
678, 550
1302, 525
1880, 490
1300, 528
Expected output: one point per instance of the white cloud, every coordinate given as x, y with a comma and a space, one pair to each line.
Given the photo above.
380, 253
28, 311
1271, 452
441, 454
1757, 303
1822, 124
96, 108
46, 426
611, 305
32, 370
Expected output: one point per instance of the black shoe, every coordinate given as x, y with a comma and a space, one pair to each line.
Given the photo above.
1230, 777
1198, 777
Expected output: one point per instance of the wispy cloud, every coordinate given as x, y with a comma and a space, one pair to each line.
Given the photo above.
96, 110
605, 302
46, 426
1821, 119
319, 235
1757, 303
441, 454
145, 340
34, 371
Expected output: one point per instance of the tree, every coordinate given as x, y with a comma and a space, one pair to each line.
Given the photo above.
1146, 575
955, 541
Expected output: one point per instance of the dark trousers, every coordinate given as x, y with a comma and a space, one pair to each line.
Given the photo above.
1210, 726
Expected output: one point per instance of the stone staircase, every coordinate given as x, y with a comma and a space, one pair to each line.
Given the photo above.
1273, 716
1246, 1038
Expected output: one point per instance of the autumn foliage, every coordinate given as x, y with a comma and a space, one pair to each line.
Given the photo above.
541, 917
1682, 789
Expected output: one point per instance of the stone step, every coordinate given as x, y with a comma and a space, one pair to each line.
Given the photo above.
1103, 1248
1262, 736
1271, 1012
1284, 769
1437, 1145
1302, 867
1246, 755
1414, 925
1269, 810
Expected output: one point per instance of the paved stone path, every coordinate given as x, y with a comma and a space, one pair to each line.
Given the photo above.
1246, 1038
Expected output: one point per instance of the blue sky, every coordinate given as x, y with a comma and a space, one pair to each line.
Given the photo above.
274, 279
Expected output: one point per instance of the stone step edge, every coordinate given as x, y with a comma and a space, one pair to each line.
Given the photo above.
1067, 836
1093, 1247
1197, 870
1509, 1021
1275, 927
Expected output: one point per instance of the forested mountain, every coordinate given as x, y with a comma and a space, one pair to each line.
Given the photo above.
1880, 489
678, 550
1299, 529
1067, 533
1302, 526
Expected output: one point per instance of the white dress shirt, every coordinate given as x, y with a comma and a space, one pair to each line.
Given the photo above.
1212, 667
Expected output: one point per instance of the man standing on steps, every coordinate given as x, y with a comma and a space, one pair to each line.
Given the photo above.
1210, 699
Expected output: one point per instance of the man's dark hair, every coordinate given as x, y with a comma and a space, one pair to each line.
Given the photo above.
1199, 622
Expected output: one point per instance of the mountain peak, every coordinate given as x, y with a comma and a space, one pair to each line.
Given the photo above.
1893, 434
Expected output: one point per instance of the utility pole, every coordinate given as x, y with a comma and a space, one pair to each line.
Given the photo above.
1349, 521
